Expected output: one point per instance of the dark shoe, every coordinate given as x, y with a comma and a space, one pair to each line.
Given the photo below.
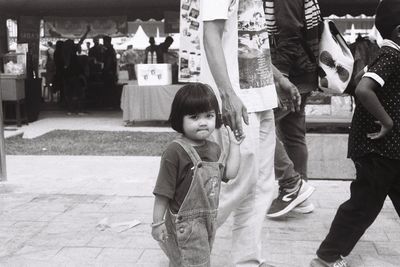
321, 263
286, 201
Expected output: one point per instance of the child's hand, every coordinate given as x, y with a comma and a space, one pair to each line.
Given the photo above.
160, 233
234, 139
385, 129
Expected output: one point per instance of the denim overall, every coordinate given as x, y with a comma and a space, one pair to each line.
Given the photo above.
192, 230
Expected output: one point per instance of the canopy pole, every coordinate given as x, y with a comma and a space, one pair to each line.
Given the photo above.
3, 50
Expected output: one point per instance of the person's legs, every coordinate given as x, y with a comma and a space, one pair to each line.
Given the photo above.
250, 194
291, 130
284, 168
394, 192
374, 177
68, 86
292, 190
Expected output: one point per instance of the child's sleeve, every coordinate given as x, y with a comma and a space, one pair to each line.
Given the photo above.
167, 175
383, 67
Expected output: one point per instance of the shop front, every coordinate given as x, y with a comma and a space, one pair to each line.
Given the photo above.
93, 11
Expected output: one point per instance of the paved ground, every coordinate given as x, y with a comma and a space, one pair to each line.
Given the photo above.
80, 211
51, 208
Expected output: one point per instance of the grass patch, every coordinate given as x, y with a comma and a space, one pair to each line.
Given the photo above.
93, 143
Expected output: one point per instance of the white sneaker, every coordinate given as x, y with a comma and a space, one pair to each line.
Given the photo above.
304, 207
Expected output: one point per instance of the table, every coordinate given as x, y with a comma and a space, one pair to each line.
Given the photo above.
145, 103
13, 90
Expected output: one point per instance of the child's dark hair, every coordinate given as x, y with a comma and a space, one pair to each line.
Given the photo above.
387, 17
192, 99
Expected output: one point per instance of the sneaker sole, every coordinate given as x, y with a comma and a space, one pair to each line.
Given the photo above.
301, 198
304, 210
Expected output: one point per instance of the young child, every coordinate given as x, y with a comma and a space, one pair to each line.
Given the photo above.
188, 183
374, 144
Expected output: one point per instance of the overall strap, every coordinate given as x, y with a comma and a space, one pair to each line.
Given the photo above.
194, 156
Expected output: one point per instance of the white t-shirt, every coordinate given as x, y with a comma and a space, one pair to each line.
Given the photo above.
246, 51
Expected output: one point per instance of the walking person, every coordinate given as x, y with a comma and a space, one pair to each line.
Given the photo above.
162, 49
294, 27
109, 75
74, 80
238, 67
188, 183
374, 145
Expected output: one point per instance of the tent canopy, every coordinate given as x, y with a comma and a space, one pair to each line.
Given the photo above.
344, 7
146, 9
133, 9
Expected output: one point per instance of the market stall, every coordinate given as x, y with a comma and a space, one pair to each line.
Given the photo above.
132, 10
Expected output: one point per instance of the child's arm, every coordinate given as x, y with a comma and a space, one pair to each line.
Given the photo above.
233, 159
159, 231
366, 95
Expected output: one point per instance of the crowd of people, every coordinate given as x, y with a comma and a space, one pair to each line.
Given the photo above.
222, 126
71, 72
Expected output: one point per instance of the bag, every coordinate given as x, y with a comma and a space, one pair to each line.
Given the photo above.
335, 62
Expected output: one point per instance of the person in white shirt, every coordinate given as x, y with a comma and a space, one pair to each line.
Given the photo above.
238, 67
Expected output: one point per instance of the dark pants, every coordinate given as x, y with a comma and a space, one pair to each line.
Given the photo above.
291, 152
74, 93
376, 178
131, 71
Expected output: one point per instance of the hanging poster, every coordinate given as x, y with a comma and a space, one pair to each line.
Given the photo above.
29, 33
74, 27
189, 51
171, 22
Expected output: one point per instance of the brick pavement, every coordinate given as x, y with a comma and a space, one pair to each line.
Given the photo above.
51, 205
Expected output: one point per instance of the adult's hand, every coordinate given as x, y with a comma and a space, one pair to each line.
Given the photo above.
233, 111
288, 94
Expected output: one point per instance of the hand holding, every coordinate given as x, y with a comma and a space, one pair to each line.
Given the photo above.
232, 138
233, 111
289, 96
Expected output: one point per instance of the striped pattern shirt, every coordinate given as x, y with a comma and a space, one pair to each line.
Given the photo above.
312, 21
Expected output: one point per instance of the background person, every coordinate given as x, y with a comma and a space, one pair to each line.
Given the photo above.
294, 50
50, 68
162, 49
150, 56
374, 144
109, 74
96, 52
130, 58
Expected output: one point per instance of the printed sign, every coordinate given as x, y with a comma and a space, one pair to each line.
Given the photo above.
29, 32
189, 51
74, 27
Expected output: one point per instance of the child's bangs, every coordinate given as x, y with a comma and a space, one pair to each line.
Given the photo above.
195, 105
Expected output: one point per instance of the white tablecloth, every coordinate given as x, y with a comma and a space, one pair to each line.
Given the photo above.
141, 103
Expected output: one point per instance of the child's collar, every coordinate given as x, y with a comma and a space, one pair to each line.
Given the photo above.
390, 43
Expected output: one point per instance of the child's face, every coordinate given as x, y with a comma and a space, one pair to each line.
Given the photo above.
198, 127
